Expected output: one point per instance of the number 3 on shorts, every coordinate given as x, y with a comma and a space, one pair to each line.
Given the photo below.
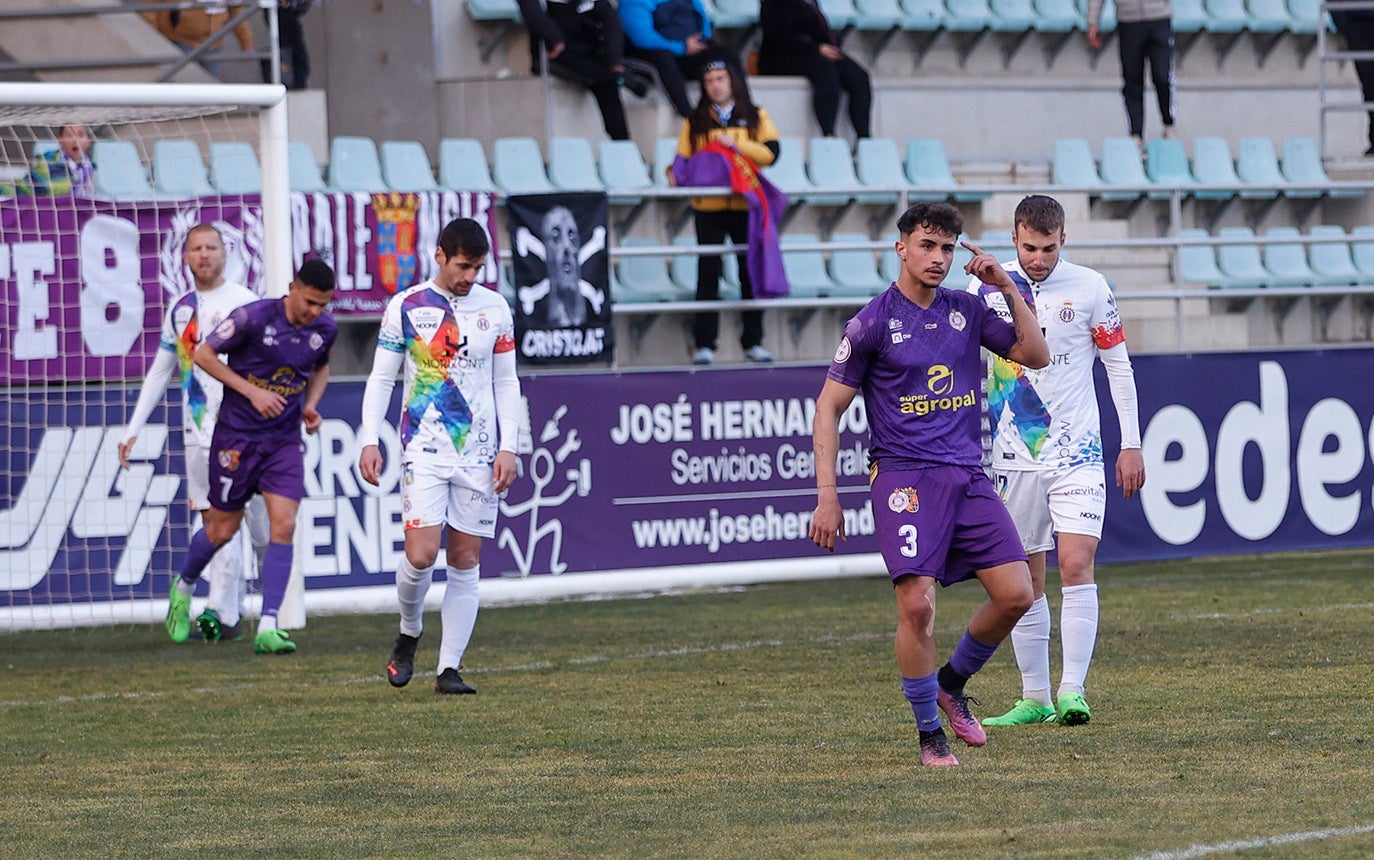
908, 533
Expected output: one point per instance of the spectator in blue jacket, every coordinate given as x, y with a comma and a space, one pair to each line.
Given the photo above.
675, 36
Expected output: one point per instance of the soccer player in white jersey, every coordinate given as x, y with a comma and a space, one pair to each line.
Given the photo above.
190, 318
460, 415
1047, 457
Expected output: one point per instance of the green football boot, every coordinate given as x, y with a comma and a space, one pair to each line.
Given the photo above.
1024, 713
1073, 709
273, 642
178, 614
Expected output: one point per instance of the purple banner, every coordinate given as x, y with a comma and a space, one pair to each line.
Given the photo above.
86, 282
1243, 453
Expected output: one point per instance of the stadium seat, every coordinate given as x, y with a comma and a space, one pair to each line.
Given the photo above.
119, 171
665, 152
1010, 16
927, 166
878, 165
806, 272
1302, 162
1167, 164
178, 169
1073, 165
405, 166
788, 173
1242, 263
463, 165
1123, 171
1189, 16
572, 165
1331, 261
926, 15
303, 169
734, 14
493, 10
880, 15
1226, 16
682, 268
234, 168
967, 16
1286, 262
956, 278
518, 166
829, 164
1269, 16
854, 271
1258, 168
1059, 16
1197, 264
354, 165
644, 279
1307, 16
840, 13
1212, 165
890, 266
1362, 252
623, 170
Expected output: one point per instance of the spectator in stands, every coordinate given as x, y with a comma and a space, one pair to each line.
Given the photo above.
1143, 30
585, 45
726, 117
797, 40
295, 57
189, 28
1358, 29
66, 169
675, 36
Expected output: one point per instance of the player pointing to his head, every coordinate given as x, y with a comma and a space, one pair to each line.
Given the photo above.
914, 353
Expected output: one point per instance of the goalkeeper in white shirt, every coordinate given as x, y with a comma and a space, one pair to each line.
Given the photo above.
461, 412
1047, 456
190, 318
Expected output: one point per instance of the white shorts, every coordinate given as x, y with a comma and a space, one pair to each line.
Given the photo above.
1043, 503
197, 475
436, 494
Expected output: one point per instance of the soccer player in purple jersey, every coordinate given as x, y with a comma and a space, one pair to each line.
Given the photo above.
275, 375
914, 353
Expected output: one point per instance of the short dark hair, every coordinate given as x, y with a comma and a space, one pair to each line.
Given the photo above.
931, 215
317, 274
1041, 213
464, 236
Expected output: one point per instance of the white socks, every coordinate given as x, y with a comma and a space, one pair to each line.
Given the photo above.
225, 573
459, 615
1078, 630
411, 587
1030, 639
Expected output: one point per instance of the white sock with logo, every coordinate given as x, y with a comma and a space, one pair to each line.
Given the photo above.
1078, 630
459, 614
412, 585
1030, 639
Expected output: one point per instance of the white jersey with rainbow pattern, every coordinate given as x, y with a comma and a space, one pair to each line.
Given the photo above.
184, 327
449, 342
1048, 418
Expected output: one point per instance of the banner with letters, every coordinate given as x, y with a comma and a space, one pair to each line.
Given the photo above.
561, 269
1246, 452
86, 283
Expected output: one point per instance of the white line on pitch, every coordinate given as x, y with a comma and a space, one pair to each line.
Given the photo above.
524, 667
1263, 842
1344, 607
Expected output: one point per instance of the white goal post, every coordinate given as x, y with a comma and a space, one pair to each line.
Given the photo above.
86, 278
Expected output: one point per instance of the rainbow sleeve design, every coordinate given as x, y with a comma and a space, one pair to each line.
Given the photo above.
432, 385
192, 392
1010, 391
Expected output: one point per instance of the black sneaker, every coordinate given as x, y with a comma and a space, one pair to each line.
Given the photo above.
402, 663
449, 681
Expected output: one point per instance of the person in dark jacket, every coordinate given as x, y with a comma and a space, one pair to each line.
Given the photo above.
675, 36
1144, 30
1358, 29
797, 40
586, 46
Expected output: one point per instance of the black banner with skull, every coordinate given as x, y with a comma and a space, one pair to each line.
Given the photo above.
561, 271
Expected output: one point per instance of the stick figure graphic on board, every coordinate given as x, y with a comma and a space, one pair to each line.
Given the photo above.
544, 464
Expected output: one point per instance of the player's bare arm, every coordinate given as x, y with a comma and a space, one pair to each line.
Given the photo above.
266, 403
1130, 471
314, 391
827, 521
1030, 348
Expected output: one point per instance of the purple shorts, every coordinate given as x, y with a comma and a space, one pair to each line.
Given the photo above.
942, 521
242, 464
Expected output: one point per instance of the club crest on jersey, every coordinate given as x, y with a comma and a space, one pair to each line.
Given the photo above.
226, 329
181, 317
957, 321
1066, 313
425, 321
842, 352
904, 499
483, 323
229, 459
316, 341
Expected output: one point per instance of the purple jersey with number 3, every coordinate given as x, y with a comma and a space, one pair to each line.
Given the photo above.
921, 374
266, 349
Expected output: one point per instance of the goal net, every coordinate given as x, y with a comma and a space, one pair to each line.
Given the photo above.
90, 260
